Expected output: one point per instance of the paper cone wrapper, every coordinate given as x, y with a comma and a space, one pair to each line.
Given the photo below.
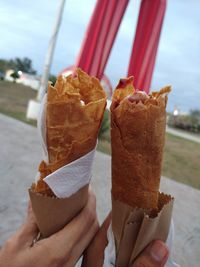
135, 228
52, 214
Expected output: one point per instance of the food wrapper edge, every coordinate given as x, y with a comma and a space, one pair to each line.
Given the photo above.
134, 229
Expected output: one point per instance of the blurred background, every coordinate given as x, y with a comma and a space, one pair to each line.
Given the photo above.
25, 30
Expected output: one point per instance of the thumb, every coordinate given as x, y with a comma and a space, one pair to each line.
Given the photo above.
94, 254
154, 255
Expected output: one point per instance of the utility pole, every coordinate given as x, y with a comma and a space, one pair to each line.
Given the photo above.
50, 51
34, 106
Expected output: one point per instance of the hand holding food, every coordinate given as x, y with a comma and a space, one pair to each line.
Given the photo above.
64, 248
140, 213
70, 121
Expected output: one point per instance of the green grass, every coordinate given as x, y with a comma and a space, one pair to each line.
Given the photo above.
182, 160
185, 131
104, 146
19, 116
14, 99
181, 157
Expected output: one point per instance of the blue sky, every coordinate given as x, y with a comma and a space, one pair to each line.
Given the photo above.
25, 28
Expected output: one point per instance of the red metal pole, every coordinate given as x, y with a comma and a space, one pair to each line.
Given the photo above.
147, 77
146, 42
100, 36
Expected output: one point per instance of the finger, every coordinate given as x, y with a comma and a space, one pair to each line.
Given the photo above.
62, 242
29, 230
100, 241
94, 254
102, 234
78, 227
155, 255
30, 214
76, 253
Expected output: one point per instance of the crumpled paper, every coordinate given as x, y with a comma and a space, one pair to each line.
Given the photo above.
110, 254
135, 228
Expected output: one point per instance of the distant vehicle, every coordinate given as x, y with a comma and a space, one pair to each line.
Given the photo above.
2, 75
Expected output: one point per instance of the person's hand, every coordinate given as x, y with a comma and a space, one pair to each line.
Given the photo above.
154, 255
94, 254
62, 249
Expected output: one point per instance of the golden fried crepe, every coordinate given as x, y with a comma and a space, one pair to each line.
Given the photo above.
138, 124
74, 111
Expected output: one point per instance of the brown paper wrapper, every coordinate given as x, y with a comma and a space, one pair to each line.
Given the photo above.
135, 228
52, 214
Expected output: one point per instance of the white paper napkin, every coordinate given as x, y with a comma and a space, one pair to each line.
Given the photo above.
69, 179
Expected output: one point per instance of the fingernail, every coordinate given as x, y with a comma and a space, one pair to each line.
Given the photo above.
158, 251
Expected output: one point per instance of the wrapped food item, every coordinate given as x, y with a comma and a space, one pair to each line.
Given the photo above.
138, 124
139, 212
69, 123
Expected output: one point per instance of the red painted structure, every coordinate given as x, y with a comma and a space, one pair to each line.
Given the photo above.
101, 33
100, 36
146, 42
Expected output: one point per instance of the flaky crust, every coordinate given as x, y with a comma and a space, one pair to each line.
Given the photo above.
138, 135
74, 111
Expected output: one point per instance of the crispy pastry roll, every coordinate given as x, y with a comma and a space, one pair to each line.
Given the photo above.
138, 122
74, 111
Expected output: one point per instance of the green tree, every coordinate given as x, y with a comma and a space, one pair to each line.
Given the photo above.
14, 75
105, 124
195, 113
23, 64
52, 79
4, 65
